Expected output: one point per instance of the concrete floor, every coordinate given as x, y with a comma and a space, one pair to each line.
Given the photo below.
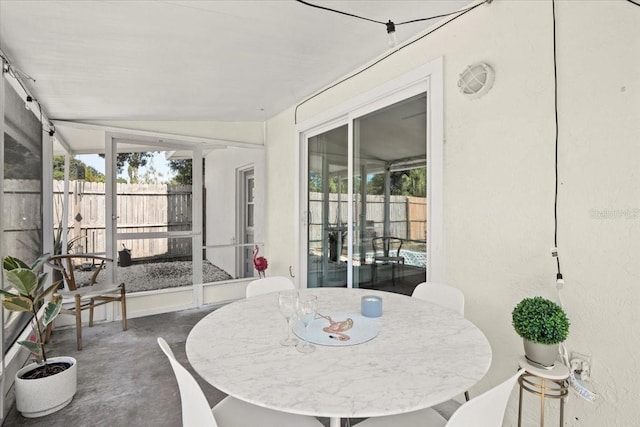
124, 379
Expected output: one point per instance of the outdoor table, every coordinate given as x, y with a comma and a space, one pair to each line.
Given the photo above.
423, 355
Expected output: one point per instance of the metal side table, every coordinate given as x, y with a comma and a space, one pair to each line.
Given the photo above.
546, 383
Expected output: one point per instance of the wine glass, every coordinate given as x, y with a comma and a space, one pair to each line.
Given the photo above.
306, 312
287, 304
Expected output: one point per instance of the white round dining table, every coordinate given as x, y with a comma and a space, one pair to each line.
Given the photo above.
423, 355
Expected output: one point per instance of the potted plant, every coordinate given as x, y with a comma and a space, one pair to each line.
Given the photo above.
57, 249
49, 384
543, 325
57, 241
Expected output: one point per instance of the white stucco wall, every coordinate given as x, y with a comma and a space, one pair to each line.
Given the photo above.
499, 181
221, 182
281, 203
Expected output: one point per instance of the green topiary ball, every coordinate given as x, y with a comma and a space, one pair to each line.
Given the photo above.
540, 320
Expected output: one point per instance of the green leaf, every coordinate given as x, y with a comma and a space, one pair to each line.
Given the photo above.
6, 293
51, 310
48, 291
42, 278
11, 263
38, 263
24, 280
17, 303
33, 347
540, 320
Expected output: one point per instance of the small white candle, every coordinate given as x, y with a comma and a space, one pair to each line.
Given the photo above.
371, 306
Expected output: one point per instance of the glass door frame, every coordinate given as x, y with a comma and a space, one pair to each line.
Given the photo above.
111, 221
244, 249
425, 79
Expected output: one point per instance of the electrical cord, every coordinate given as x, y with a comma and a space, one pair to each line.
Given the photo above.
460, 14
17, 75
328, 9
444, 15
574, 381
555, 104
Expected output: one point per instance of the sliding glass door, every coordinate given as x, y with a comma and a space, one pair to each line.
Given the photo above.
327, 208
366, 200
389, 166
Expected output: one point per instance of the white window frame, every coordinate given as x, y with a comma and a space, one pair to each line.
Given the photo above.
429, 79
242, 211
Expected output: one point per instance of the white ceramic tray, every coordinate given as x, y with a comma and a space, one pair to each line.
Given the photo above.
363, 329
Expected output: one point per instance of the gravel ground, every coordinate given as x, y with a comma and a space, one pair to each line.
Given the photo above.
159, 275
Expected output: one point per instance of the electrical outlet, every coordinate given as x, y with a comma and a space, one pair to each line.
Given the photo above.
581, 364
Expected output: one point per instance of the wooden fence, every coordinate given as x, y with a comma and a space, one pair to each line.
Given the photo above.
417, 218
407, 215
159, 207
140, 208
22, 218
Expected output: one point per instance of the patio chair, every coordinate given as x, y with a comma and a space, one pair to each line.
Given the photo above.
486, 410
269, 284
383, 248
443, 295
439, 293
230, 412
79, 295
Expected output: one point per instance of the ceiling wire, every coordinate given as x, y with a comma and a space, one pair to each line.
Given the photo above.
328, 9
18, 75
459, 14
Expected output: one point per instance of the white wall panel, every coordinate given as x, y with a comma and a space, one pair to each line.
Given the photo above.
499, 180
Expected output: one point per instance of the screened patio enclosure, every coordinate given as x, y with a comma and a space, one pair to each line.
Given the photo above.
387, 222
172, 246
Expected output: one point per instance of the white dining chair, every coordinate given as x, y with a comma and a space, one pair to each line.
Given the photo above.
485, 410
269, 284
230, 412
443, 295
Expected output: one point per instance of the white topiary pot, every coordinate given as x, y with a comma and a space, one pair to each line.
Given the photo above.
43, 396
542, 354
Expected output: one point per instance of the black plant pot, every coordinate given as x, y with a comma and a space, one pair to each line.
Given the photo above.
124, 257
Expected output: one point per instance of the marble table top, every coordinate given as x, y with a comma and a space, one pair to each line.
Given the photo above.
423, 355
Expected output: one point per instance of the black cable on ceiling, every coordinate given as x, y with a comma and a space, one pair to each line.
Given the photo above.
16, 73
459, 14
338, 11
328, 9
633, 2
